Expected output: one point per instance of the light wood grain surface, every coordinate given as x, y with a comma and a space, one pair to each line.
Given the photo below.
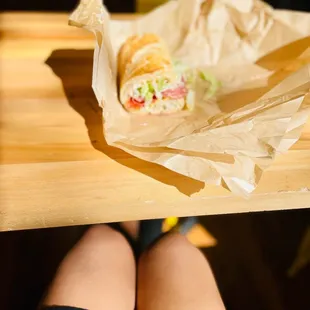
56, 168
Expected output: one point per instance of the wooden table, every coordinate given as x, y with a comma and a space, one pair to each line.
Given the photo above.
57, 170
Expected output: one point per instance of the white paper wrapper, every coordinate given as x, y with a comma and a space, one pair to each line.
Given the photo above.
261, 57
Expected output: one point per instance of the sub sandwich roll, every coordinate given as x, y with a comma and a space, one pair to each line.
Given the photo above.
148, 83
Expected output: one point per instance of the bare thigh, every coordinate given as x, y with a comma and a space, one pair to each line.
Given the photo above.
98, 273
174, 274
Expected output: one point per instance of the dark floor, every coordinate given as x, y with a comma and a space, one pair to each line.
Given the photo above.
250, 262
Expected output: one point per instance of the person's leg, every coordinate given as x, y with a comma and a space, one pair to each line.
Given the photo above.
173, 274
98, 273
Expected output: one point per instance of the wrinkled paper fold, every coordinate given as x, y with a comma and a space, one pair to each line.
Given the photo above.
261, 57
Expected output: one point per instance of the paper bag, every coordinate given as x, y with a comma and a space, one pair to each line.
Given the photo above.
259, 55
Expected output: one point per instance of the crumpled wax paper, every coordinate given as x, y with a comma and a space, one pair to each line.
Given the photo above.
261, 57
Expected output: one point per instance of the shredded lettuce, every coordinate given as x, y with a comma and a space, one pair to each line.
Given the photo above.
149, 96
149, 89
214, 84
210, 85
161, 84
143, 90
191, 74
146, 91
150, 86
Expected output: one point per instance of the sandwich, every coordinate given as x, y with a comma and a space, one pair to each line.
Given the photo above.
148, 82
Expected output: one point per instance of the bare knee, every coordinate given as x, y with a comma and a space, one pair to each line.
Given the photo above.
94, 272
172, 242
174, 265
101, 234
171, 246
99, 242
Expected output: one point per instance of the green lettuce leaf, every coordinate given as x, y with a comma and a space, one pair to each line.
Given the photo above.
149, 96
214, 84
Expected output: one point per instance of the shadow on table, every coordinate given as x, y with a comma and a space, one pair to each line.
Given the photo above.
74, 68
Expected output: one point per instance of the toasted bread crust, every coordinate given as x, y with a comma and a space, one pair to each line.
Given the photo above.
155, 57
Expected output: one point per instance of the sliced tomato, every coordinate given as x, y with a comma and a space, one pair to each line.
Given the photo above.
135, 104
